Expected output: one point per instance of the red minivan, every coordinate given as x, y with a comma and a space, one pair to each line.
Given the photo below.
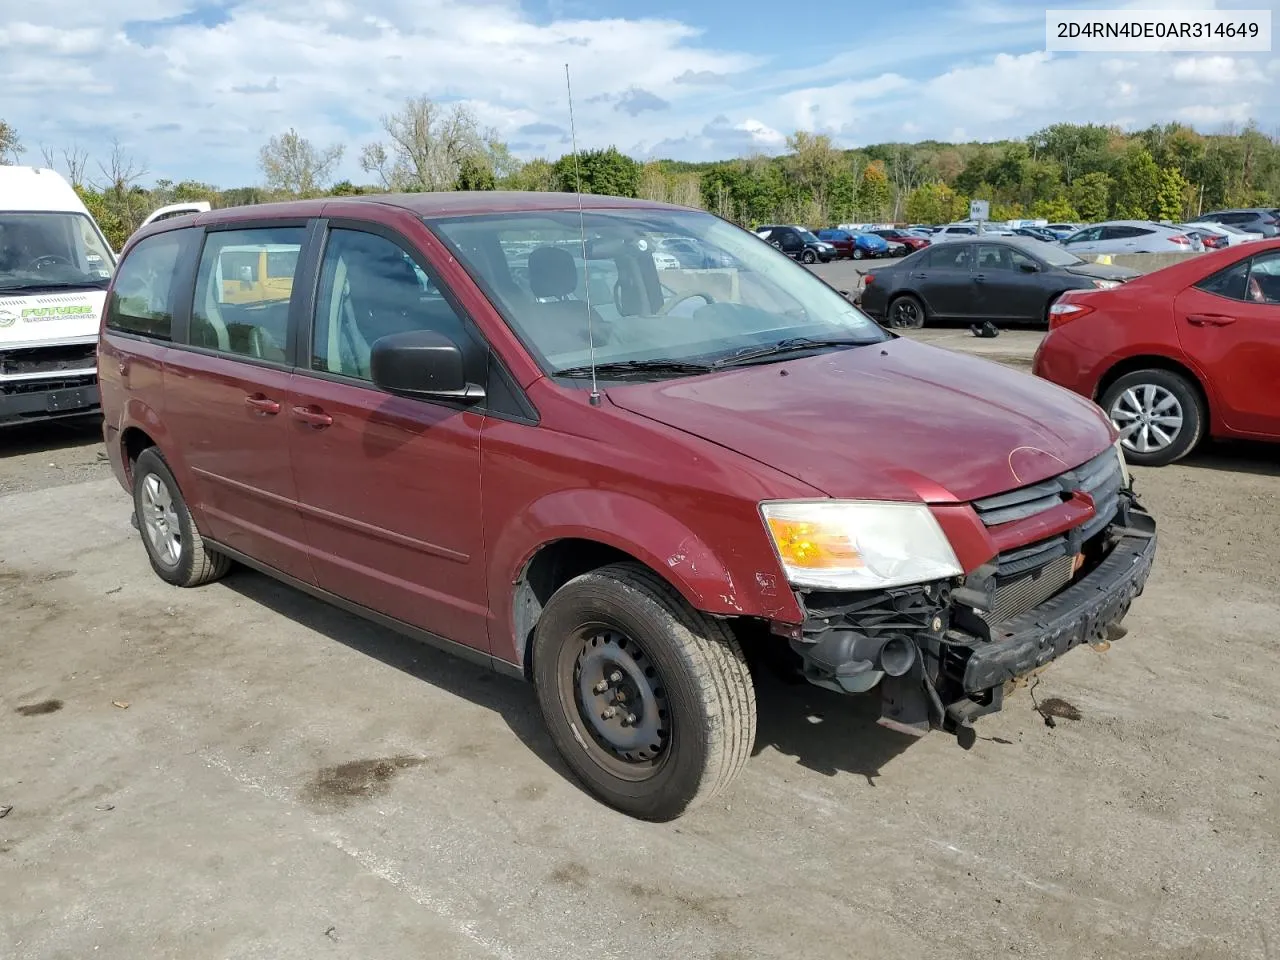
488, 421
1184, 353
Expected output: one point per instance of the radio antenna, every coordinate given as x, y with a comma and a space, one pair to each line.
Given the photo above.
582, 236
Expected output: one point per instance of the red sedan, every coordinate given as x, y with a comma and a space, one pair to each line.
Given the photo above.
1189, 351
908, 240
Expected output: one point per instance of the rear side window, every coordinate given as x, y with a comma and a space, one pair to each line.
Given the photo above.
949, 256
141, 299
1229, 283
1254, 281
243, 290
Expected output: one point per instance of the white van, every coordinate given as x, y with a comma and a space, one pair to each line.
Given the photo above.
54, 268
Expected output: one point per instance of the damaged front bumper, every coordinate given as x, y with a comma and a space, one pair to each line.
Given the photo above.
941, 654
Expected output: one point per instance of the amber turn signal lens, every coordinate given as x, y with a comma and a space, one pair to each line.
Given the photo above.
813, 547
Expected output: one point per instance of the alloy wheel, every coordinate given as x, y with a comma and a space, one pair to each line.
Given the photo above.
160, 521
1148, 416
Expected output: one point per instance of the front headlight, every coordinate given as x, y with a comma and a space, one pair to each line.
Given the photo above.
1106, 284
858, 545
1124, 466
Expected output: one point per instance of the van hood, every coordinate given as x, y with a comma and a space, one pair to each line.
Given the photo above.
892, 421
40, 318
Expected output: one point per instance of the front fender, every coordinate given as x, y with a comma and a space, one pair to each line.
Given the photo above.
728, 569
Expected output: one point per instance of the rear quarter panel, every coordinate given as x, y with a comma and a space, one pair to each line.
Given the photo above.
131, 383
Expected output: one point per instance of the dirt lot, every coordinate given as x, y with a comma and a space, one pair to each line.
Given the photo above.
239, 771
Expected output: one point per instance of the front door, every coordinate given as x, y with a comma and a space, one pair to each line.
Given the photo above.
227, 393
389, 487
1003, 289
1229, 324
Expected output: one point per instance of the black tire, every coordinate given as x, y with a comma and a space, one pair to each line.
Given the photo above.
857, 253
809, 257
1128, 394
195, 563
693, 665
905, 312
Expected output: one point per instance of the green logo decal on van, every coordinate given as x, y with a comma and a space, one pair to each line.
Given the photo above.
38, 314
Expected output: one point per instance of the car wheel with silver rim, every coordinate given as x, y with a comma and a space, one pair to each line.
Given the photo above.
178, 554
1158, 413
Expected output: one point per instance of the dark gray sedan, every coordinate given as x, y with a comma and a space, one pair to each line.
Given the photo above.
1002, 279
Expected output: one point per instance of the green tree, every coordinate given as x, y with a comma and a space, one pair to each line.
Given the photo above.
345, 188
873, 191
813, 165
107, 219
1057, 209
535, 175
1137, 180
606, 172
474, 173
935, 203
1170, 198
1091, 196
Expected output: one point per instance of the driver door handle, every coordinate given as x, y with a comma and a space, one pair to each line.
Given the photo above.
1210, 320
262, 404
980, 278
312, 415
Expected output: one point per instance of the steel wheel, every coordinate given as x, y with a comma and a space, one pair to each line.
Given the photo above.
857, 253
160, 521
809, 257
621, 703
1148, 416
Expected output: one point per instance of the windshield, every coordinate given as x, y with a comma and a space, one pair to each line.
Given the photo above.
807, 237
531, 266
1050, 253
50, 251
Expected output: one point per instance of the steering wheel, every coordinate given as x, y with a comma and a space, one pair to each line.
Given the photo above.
667, 308
52, 259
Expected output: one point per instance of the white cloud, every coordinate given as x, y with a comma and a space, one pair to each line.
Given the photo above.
197, 100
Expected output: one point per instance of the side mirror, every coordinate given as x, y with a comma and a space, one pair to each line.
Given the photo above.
1026, 266
421, 363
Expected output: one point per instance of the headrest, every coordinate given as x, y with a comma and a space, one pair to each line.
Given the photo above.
552, 272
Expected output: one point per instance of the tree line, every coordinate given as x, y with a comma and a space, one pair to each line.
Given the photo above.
1065, 172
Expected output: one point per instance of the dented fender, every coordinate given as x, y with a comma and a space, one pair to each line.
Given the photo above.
742, 579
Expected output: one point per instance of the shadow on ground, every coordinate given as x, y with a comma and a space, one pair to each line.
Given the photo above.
823, 731
49, 435
1237, 457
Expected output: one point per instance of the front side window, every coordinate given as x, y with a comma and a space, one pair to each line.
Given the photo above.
243, 290
370, 288
531, 265
140, 299
52, 251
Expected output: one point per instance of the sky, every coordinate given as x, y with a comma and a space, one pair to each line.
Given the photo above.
193, 88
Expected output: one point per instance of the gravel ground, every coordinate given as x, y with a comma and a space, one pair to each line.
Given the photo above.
239, 771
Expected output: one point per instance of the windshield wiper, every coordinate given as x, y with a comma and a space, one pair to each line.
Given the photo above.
636, 366
790, 345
